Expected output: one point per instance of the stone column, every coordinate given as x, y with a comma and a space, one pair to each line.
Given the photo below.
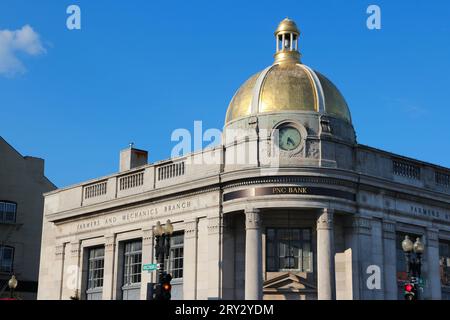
432, 259
376, 280
108, 271
147, 257
325, 256
214, 254
363, 229
390, 260
253, 255
190, 260
58, 268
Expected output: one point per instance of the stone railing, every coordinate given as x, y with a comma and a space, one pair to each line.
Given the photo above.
171, 170
95, 190
131, 180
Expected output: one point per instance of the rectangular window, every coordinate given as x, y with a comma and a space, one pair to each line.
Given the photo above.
176, 256
6, 259
444, 262
289, 249
132, 266
132, 262
7, 212
96, 264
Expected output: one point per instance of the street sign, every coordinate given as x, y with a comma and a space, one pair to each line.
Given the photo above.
150, 267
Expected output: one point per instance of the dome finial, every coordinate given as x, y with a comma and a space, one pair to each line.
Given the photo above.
286, 36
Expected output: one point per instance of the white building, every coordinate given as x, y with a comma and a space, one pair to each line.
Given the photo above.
289, 206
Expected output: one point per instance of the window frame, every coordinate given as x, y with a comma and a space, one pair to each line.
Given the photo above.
276, 255
3, 213
90, 289
175, 272
129, 266
2, 248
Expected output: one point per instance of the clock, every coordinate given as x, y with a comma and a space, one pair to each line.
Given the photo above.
289, 138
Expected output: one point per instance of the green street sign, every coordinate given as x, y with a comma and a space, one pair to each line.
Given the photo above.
150, 267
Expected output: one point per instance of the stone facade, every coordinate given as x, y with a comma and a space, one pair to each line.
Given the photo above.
225, 216
288, 206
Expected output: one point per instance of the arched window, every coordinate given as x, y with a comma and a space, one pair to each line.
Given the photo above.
8, 212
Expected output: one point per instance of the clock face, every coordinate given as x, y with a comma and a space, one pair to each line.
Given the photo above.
289, 137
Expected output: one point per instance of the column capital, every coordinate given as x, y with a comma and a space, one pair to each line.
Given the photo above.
75, 248
214, 224
432, 237
325, 219
59, 250
147, 235
252, 218
190, 228
389, 229
110, 242
360, 224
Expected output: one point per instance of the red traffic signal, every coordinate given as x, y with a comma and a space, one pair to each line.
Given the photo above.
410, 291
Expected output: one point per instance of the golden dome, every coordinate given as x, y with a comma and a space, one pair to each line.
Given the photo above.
287, 25
287, 85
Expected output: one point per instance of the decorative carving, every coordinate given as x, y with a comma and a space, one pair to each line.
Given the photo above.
147, 235
432, 238
253, 122
252, 219
110, 243
325, 219
312, 150
59, 251
75, 249
214, 224
362, 225
325, 126
389, 230
190, 229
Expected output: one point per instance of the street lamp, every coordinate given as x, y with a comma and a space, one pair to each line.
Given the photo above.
413, 255
162, 241
12, 284
162, 251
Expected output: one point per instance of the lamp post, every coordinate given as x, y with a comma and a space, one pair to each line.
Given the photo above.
162, 252
162, 242
413, 256
12, 284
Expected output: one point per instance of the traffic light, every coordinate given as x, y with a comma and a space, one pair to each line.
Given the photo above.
162, 289
410, 291
166, 287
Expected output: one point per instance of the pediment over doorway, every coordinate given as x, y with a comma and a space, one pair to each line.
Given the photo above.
288, 283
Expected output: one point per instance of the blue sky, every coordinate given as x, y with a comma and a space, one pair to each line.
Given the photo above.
137, 70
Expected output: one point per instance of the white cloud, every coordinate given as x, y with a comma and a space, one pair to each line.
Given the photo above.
15, 43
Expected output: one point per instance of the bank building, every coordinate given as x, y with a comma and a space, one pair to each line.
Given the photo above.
310, 213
